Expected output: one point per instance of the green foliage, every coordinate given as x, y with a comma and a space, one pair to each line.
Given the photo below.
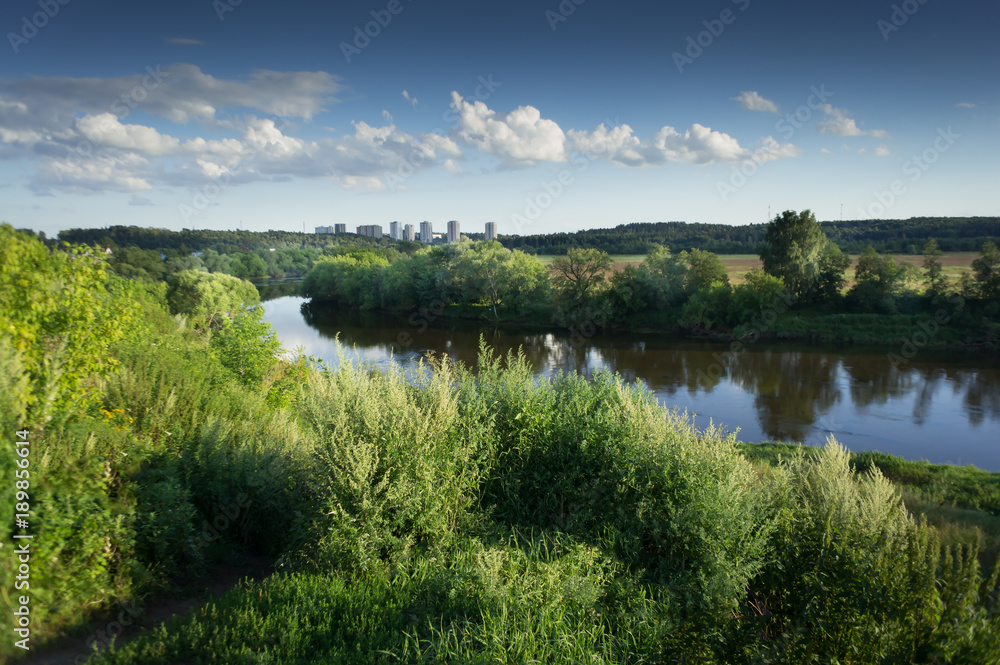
509, 283
708, 307
878, 282
353, 279
57, 311
795, 249
986, 269
936, 282
578, 279
757, 294
704, 270
207, 298
247, 346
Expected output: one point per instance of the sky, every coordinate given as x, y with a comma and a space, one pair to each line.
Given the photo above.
541, 116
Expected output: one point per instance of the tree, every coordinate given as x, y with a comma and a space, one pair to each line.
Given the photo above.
794, 247
987, 271
833, 263
933, 271
580, 272
878, 280
662, 278
204, 296
247, 345
504, 280
704, 269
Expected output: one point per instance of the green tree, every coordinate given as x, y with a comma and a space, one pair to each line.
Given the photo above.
986, 269
833, 264
247, 345
794, 246
580, 273
662, 278
704, 269
878, 281
933, 271
502, 279
204, 297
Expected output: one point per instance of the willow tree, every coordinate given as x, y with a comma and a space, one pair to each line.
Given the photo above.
798, 252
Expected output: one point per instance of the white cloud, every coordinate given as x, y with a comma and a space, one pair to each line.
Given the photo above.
881, 151
412, 100
522, 136
824, 151
697, 145
965, 105
839, 123
752, 101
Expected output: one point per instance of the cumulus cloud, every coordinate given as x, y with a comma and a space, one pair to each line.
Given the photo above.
697, 145
838, 122
881, 151
965, 105
522, 136
412, 100
752, 101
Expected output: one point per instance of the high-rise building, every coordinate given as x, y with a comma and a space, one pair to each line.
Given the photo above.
491, 230
453, 233
427, 233
340, 228
370, 231
324, 229
408, 232
395, 231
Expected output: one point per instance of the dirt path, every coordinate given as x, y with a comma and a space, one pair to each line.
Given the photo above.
220, 578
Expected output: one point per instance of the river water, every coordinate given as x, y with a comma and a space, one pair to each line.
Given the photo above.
944, 408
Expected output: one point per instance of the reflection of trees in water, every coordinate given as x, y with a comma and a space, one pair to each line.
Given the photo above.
874, 381
982, 396
274, 290
792, 389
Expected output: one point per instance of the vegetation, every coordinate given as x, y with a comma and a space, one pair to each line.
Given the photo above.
449, 516
955, 234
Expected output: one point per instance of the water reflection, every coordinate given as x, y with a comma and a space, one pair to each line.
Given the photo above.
945, 409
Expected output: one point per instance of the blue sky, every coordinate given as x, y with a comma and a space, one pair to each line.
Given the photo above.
540, 116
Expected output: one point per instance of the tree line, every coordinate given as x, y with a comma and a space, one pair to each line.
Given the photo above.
896, 236
803, 270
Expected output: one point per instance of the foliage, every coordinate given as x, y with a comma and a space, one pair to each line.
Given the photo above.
795, 249
878, 281
207, 298
247, 346
353, 279
933, 271
987, 271
757, 294
704, 270
61, 313
508, 282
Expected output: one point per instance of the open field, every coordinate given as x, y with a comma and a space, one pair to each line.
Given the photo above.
738, 265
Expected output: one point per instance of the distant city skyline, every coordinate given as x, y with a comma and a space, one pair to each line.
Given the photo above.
551, 117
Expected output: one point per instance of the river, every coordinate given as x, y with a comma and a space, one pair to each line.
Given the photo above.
944, 408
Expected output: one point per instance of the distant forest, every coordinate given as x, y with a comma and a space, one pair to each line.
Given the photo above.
898, 236
888, 236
